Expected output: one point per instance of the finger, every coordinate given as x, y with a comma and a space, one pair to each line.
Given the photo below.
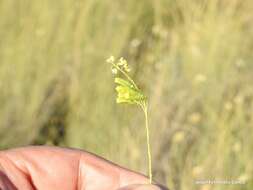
53, 168
41, 167
5, 183
141, 187
97, 173
11, 176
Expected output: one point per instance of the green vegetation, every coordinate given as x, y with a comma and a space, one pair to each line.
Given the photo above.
192, 58
129, 93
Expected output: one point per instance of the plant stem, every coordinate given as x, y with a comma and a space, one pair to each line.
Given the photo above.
126, 75
148, 143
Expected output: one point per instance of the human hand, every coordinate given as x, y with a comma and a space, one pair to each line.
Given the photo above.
53, 168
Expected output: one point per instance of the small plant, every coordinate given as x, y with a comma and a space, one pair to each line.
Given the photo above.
128, 92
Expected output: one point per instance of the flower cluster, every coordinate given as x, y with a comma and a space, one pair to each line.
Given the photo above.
121, 64
127, 90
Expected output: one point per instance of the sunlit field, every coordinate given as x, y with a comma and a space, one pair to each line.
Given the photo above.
192, 58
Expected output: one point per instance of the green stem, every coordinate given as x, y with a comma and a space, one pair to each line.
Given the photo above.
126, 75
148, 143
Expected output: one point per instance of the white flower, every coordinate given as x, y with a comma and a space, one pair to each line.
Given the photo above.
114, 71
127, 69
122, 62
111, 59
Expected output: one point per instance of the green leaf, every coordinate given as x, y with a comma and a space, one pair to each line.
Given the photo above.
122, 89
123, 82
120, 100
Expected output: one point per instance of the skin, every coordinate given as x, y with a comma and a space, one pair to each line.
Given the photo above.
51, 168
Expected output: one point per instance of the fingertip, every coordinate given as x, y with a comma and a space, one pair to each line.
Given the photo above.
143, 187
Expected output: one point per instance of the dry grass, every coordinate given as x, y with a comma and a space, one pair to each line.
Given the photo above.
193, 58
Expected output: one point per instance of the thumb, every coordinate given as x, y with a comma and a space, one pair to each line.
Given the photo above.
142, 187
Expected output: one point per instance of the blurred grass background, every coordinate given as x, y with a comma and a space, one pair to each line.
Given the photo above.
192, 58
